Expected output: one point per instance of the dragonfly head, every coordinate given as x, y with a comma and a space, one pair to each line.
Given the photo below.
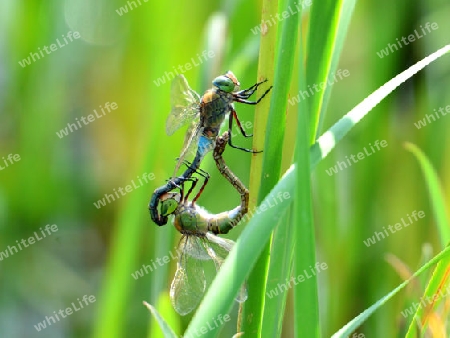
227, 83
169, 203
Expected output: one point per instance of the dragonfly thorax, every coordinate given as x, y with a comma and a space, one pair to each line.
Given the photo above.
189, 222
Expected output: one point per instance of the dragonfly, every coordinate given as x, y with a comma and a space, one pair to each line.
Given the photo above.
199, 241
205, 115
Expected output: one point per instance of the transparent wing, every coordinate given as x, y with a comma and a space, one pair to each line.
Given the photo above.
196, 249
190, 144
189, 283
185, 103
224, 245
218, 250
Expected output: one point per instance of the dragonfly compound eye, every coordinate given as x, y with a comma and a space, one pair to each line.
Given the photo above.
169, 203
224, 83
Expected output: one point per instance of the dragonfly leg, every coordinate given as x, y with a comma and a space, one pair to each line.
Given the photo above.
230, 126
244, 100
201, 189
238, 122
246, 93
195, 169
194, 180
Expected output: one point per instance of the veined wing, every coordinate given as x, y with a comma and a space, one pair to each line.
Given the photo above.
190, 143
185, 103
195, 248
218, 250
189, 283
224, 245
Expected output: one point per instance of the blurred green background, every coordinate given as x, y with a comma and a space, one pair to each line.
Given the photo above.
119, 58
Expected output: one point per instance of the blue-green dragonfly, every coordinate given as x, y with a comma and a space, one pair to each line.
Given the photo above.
206, 115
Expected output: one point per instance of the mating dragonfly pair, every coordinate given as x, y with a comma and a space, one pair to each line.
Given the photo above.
199, 229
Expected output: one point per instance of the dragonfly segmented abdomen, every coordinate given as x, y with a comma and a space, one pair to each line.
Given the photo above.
225, 221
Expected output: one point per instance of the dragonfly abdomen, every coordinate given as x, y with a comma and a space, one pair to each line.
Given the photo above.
222, 223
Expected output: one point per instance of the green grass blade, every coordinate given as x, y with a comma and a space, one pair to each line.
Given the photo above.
168, 313
331, 137
280, 270
271, 166
327, 31
282, 250
306, 302
435, 191
439, 280
265, 71
357, 321
438, 283
168, 332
